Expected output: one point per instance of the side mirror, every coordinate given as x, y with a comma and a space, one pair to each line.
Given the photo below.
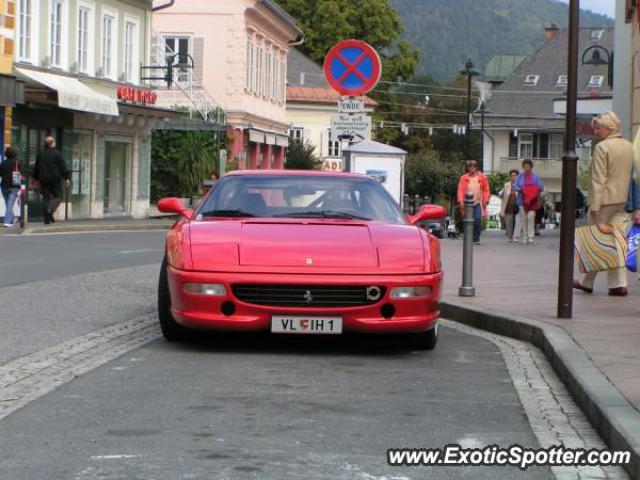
427, 212
174, 205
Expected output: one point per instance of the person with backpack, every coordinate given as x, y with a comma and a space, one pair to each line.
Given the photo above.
529, 187
10, 180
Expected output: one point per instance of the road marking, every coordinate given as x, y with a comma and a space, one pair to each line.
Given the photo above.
26, 378
553, 415
142, 250
113, 457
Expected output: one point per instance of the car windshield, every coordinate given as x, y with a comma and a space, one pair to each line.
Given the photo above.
300, 196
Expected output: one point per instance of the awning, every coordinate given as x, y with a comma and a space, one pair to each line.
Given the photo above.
73, 94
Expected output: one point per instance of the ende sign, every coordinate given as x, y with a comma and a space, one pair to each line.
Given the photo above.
137, 95
356, 126
351, 105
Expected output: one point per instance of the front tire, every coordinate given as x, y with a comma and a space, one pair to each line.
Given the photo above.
172, 331
425, 340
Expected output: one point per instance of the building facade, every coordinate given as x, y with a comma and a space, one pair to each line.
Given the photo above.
632, 18
311, 103
526, 114
80, 62
238, 53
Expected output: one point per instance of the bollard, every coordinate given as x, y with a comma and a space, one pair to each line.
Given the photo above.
467, 289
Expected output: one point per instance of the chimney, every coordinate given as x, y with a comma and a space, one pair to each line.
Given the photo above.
550, 31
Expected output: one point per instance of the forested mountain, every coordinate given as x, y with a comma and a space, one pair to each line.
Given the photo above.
447, 32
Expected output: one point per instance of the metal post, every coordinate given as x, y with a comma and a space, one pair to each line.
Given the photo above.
481, 159
569, 173
24, 202
468, 131
467, 289
66, 202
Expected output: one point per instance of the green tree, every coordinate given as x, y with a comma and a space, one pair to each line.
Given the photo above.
326, 22
180, 161
301, 156
497, 181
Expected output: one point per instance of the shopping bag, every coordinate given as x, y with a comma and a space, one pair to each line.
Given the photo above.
633, 239
599, 248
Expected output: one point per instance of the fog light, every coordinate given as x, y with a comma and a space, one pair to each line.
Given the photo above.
410, 292
206, 289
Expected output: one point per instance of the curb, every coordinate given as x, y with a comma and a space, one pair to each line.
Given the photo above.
615, 419
94, 228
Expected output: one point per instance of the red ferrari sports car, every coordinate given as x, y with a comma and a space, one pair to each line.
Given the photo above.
295, 252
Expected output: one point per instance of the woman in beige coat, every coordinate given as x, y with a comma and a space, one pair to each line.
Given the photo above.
611, 167
508, 210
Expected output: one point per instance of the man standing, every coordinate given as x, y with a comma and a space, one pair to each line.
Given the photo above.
476, 183
610, 177
50, 170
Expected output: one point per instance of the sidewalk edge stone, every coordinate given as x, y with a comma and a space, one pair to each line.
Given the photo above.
94, 228
615, 419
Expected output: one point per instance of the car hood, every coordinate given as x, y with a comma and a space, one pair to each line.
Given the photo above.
308, 246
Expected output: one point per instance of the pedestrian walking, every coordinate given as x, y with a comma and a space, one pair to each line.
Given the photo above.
50, 170
476, 183
611, 168
10, 179
529, 187
509, 208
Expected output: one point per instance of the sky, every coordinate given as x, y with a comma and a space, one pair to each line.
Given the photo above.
605, 7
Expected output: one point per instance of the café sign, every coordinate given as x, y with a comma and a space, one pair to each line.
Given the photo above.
137, 95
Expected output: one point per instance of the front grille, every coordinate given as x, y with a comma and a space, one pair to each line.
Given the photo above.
307, 295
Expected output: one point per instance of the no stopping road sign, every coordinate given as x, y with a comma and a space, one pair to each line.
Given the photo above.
352, 67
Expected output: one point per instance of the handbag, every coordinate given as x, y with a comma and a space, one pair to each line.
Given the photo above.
599, 251
16, 177
633, 239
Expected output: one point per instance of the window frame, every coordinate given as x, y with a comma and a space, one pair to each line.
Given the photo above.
531, 80
596, 81
131, 56
522, 143
112, 72
57, 42
296, 134
89, 68
334, 149
30, 54
596, 35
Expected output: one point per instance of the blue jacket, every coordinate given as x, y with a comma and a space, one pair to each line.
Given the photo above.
520, 183
633, 202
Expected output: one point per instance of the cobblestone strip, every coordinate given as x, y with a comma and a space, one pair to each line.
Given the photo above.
553, 415
24, 379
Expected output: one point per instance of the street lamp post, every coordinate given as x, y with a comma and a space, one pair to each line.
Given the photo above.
470, 72
569, 172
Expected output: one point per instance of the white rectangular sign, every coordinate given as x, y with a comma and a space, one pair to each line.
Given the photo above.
357, 126
351, 105
318, 325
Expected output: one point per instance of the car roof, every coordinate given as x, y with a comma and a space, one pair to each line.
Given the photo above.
298, 173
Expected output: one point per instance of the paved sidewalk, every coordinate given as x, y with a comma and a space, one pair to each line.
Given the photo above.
522, 280
100, 225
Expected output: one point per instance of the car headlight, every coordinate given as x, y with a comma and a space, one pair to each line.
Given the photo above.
410, 292
206, 289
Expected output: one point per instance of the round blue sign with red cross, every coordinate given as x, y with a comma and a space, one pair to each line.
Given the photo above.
352, 67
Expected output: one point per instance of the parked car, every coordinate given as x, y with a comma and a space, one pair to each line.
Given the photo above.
300, 253
452, 231
434, 228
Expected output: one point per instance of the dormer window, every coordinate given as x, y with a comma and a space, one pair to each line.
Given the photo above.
531, 80
563, 80
596, 35
596, 81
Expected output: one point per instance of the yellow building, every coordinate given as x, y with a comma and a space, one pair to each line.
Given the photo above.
7, 80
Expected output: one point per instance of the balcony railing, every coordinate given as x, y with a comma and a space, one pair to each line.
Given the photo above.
545, 167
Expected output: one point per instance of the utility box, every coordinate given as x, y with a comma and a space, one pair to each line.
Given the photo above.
377, 160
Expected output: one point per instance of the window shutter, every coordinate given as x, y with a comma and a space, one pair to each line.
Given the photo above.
198, 60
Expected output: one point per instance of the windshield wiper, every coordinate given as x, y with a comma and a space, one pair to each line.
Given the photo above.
227, 213
323, 214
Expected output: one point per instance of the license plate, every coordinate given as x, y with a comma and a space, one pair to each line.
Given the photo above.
317, 325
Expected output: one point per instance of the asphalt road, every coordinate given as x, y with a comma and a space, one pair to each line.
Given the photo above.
263, 408
232, 407
31, 258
